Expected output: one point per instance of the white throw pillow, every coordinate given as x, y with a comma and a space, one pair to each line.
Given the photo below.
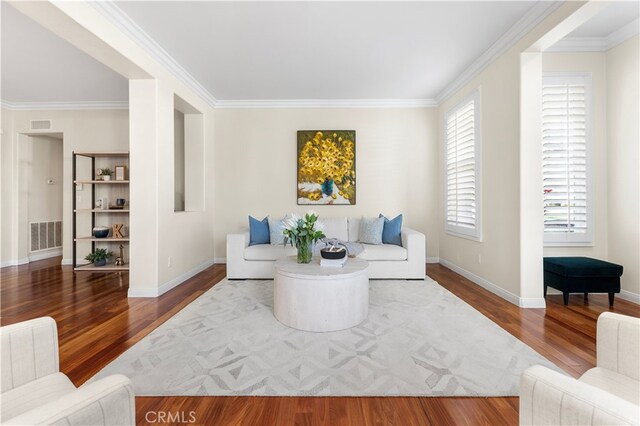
275, 231
370, 231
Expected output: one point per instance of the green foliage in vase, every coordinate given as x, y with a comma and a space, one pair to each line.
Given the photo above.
302, 231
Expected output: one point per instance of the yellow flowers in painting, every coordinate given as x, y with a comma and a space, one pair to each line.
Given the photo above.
327, 167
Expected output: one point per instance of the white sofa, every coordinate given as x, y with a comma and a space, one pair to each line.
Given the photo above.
608, 394
385, 260
35, 392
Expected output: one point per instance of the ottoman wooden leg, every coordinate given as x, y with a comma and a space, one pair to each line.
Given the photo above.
565, 298
586, 297
611, 296
545, 291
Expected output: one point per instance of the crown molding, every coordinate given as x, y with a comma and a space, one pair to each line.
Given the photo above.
536, 14
327, 103
597, 44
579, 44
121, 20
41, 106
623, 34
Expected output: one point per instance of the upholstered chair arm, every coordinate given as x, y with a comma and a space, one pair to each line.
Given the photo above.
28, 351
550, 398
618, 344
109, 401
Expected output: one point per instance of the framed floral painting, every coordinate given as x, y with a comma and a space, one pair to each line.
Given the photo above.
327, 167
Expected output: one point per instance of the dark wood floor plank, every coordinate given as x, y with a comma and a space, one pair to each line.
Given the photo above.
97, 323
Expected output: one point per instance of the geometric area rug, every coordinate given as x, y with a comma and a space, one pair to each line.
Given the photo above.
418, 340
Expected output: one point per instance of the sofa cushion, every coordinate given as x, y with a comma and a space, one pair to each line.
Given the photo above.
615, 383
258, 231
275, 231
354, 228
383, 252
391, 230
335, 227
33, 394
370, 231
268, 252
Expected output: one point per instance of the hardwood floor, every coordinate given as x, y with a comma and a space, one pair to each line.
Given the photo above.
97, 322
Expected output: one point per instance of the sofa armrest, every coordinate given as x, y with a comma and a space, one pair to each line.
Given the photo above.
236, 244
29, 351
415, 243
550, 398
109, 401
618, 344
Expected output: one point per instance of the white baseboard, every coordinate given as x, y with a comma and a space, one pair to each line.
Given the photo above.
631, 297
45, 254
163, 288
14, 262
219, 260
523, 302
433, 259
67, 262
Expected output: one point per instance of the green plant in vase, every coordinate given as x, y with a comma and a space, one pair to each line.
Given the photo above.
106, 173
99, 256
303, 232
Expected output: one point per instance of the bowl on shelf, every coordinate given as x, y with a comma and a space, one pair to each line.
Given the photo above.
101, 231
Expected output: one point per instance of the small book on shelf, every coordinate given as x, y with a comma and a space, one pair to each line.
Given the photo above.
333, 263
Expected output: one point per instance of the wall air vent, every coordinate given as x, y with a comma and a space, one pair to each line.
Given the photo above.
45, 235
40, 124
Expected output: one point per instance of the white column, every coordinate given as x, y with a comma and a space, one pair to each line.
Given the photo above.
143, 221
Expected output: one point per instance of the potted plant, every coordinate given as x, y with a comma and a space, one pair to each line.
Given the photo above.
303, 232
106, 173
99, 257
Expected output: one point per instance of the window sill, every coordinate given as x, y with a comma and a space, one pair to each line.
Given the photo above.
463, 235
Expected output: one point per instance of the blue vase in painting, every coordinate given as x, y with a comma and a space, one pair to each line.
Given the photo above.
327, 187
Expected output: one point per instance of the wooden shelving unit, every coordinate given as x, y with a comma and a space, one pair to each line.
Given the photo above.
105, 187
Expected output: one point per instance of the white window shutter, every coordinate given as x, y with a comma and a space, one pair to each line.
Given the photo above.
565, 160
461, 140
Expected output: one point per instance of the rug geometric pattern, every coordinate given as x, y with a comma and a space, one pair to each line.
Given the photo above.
418, 340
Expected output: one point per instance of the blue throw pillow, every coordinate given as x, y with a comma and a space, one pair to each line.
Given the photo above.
258, 231
391, 230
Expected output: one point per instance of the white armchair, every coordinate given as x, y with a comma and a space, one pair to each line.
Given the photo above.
34, 392
608, 394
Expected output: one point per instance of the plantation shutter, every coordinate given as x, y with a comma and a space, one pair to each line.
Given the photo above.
461, 128
564, 159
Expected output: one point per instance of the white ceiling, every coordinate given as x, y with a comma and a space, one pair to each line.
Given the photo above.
324, 50
265, 51
39, 67
611, 19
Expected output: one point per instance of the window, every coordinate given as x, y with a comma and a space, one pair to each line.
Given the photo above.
568, 219
462, 161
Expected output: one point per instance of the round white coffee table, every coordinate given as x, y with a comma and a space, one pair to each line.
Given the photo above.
314, 298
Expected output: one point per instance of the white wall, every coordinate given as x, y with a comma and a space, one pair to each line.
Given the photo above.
8, 198
166, 247
396, 165
495, 261
594, 63
623, 161
83, 130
